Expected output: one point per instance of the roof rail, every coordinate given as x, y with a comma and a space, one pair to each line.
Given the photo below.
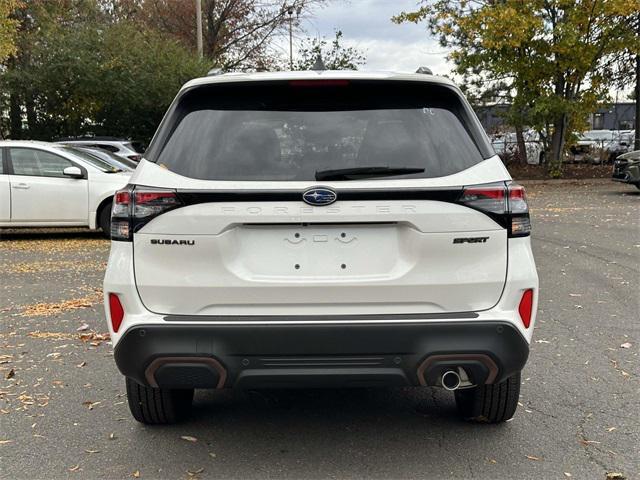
424, 70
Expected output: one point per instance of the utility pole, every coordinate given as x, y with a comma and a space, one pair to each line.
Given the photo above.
290, 10
199, 26
290, 13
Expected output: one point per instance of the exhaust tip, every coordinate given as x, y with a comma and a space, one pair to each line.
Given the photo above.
450, 380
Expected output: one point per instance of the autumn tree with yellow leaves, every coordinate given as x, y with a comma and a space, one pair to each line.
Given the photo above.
8, 27
556, 58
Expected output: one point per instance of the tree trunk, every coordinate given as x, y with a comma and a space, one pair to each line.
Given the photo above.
637, 125
15, 117
557, 145
31, 119
522, 147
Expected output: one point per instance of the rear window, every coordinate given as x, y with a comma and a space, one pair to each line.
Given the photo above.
292, 130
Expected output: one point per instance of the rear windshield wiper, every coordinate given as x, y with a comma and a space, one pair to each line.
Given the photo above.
365, 172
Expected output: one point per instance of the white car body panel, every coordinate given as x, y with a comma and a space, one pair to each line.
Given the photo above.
521, 275
38, 201
5, 199
32, 199
242, 260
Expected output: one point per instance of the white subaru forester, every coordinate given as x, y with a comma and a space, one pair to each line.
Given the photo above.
320, 229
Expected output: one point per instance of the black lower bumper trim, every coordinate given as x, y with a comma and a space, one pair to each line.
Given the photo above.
318, 355
319, 318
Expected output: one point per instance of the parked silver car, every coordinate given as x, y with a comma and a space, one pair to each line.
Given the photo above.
123, 148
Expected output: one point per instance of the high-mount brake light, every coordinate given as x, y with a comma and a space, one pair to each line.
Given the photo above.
506, 204
319, 83
134, 207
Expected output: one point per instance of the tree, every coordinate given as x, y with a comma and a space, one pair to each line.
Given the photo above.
8, 28
237, 34
77, 72
556, 57
335, 56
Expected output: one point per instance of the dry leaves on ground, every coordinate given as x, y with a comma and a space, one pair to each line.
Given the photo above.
47, 309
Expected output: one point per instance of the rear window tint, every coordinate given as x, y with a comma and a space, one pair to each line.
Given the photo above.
286, 131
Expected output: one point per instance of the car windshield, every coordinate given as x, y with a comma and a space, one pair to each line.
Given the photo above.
92, 159
292, 131
111, 158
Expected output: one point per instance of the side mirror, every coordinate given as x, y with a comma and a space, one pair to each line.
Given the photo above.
73, 172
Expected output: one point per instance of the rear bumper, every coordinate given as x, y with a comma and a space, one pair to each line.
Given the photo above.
319, 355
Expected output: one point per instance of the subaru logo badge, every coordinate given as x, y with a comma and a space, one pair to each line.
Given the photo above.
319, 196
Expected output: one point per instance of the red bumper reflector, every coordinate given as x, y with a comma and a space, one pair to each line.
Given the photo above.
116, 311
525, 307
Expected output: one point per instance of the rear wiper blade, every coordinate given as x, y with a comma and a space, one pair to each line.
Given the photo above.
365, 172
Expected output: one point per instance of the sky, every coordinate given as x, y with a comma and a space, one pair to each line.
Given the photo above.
366, 24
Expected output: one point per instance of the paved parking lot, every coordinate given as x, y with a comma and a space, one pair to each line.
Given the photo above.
63, 411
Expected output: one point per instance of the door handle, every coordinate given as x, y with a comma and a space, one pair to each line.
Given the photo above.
21, 186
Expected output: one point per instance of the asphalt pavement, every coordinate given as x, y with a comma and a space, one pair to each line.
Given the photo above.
63, 411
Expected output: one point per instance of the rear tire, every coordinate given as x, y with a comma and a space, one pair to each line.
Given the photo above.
490, 403
158, 406
104, 220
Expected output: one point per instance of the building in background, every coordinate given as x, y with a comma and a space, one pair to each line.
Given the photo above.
616, 116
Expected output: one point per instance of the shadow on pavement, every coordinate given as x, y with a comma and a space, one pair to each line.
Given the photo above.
47, 234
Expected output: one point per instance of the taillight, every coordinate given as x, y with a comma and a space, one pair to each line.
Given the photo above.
520, 224
134, 207
526, 307
116, 312
506, 204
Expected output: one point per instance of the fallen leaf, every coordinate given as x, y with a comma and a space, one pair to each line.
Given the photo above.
92, 451
567, 474
531, 457
188, 438
543, 341
615, 476
611, 429
82, 364
82, 328
4, 442
74, 468
10, 374
588, 442
90, 404
195, 472
625, 345
112, 436
212, 455
575, 294
136, 474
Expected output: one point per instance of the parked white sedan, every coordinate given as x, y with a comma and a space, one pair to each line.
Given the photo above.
52, 185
